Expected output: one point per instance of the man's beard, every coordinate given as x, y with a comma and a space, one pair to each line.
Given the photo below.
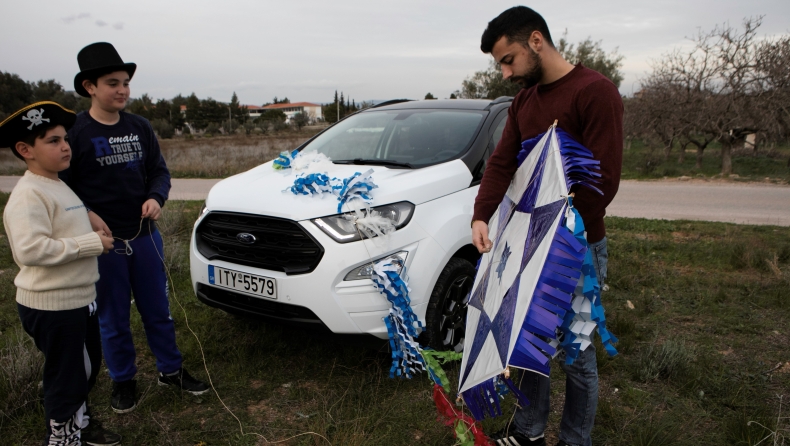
534, 75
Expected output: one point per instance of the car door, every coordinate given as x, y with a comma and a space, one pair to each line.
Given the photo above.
494, 130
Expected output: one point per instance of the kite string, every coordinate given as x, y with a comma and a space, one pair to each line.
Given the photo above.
203, 354
127, 250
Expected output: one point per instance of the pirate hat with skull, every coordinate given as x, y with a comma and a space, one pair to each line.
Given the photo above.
99, 58
31, 120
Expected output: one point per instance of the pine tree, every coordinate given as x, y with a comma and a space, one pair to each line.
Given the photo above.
238, 112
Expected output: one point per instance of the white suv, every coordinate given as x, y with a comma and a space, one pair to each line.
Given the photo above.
258, 249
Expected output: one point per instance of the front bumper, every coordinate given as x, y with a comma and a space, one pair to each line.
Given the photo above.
321, 298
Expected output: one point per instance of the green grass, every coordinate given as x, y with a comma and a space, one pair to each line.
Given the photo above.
710, 319
643, 162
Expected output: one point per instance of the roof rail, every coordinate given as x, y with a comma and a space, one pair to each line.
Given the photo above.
390, 102
499, 100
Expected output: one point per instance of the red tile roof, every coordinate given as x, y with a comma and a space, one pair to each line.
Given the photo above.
294, 104
252, 107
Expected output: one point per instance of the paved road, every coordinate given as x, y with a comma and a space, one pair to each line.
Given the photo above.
750, 203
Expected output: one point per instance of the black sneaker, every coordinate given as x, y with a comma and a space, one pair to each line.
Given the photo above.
184, 381
124, 396
95, 435
509, 437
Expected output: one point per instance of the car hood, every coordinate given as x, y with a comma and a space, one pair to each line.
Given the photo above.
266, 191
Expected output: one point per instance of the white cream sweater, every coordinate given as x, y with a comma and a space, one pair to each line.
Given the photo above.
53, 244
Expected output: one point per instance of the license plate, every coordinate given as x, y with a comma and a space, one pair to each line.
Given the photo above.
243, 282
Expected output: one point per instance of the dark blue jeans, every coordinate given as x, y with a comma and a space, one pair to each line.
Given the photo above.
581, 386
143, 274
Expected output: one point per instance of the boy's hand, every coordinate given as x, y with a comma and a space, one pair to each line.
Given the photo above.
151, 209
106, 241
97, 224
480, 236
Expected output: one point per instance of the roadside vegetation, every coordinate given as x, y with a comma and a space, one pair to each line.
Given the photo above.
701, 309
646, 160
223, 156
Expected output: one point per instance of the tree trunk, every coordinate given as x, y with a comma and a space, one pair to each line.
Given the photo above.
698, 166
726, 158
682, 156
668, 148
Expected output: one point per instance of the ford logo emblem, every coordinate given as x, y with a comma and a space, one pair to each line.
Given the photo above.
246, 238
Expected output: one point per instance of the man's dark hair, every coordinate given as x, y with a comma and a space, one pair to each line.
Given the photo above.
517, 24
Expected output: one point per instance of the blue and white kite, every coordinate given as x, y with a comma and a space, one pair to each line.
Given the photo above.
525, 304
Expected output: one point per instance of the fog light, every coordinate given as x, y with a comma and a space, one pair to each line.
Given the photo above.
366, 271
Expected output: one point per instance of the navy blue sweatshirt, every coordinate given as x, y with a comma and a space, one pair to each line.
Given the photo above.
115, 169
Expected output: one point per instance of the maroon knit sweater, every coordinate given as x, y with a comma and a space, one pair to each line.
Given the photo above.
588, 106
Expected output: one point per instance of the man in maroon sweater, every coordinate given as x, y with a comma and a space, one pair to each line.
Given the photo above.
588, 106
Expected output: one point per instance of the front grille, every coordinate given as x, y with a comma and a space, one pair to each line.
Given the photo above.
239, 303
280, 245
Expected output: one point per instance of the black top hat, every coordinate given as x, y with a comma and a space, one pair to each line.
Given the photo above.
99, 57
32, 118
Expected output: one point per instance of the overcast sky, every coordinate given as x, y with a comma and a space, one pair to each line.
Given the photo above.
305, 50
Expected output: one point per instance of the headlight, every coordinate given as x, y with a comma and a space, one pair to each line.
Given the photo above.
341, 227
366, 270
203, 210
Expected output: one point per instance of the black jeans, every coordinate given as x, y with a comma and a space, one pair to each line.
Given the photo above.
71, 345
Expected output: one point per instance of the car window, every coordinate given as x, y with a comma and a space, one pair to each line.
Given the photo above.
496, 135
417, 137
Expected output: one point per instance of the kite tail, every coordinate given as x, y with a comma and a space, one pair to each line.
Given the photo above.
463, 425
402, 324
580, 166
587, 312
483, 399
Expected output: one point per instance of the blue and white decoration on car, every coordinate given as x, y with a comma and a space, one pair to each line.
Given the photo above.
388, 274
521, 315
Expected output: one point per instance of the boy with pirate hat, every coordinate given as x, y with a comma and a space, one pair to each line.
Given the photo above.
118, 171
52, 242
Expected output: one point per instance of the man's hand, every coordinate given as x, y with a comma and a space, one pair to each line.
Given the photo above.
151, 209
106, 241
480, 236
97, 224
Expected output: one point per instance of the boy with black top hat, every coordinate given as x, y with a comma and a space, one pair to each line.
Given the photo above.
119, 172
52, 242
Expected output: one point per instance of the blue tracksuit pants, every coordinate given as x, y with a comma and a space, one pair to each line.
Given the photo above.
143, 274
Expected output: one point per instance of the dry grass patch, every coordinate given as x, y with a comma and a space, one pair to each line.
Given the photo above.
220, 157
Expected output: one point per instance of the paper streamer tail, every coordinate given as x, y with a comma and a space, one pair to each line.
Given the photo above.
483, 399
467, 431
588, 312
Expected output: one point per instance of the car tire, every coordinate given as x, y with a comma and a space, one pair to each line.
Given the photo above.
445, 317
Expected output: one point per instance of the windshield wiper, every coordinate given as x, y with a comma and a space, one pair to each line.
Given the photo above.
374, 162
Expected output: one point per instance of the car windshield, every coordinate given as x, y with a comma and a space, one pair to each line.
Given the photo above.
409, 138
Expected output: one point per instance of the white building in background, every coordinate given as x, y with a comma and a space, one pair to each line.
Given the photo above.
254, 111
312, 110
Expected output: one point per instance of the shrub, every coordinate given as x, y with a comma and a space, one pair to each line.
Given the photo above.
212, 128
163, 128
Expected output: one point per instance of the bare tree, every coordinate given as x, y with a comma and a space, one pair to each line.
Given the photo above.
714, 92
